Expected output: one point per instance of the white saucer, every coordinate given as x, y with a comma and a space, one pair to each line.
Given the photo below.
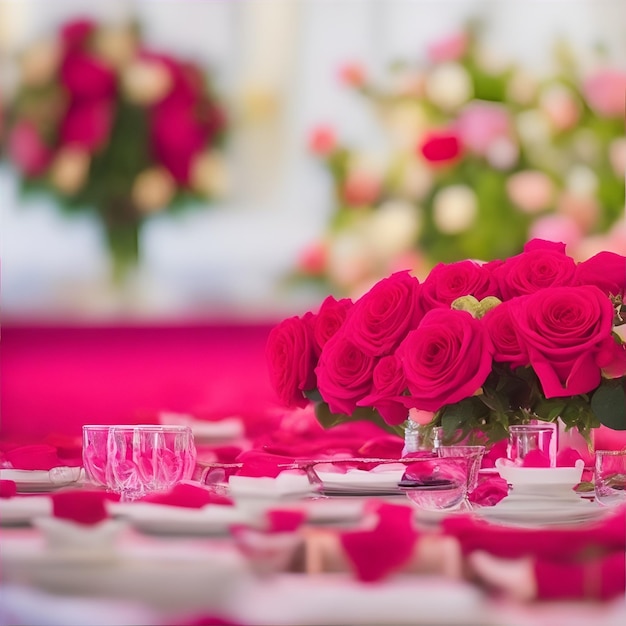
41, 481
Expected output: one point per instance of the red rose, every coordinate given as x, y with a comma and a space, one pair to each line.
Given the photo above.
542, 264
606, 270
447, 282
382, 317
446, 359
88, 124
177, 136
565, 330
27, 150
388, 384
329, 319
502, 329
75, 34
344, 373
441, 147
85, 76
291, 359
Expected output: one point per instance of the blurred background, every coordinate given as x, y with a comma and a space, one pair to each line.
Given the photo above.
241, 159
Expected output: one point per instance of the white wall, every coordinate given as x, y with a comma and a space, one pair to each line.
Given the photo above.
232, 256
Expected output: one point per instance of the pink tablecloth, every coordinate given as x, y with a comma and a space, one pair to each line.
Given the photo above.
56, 378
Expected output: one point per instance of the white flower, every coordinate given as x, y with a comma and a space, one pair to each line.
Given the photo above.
146, 82
416, 179
617, 156
406, 122
454, 209
210, 175
449, 86
582, 181
69, 170
522, 88
393, 228
40, 62
153, 190
502, 153
533, 127
349, 259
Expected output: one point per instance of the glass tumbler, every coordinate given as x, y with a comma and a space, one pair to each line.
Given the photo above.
95, 453
610, 477
473, 456
434, 483
146, 458
524, 438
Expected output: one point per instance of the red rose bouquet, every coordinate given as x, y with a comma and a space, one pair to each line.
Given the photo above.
108, 125
473, 348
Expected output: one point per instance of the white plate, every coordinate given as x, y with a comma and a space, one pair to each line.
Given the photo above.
21, 511
175, 520
525, 512
330, 510
205, 431
383, 480
41, 481
284, 486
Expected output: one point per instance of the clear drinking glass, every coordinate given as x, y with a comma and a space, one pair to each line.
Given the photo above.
473, 456
138, 459
610, 477
95, 453
523, 438
436, 483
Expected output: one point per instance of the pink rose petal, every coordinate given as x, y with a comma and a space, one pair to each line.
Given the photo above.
536, 458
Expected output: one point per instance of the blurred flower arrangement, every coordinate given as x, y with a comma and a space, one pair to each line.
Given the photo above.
111, 127
473, 348
481, 156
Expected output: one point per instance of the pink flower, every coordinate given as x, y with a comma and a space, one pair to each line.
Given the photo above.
329, 319
564, 330
322, 141
376, 553
86, 76
448, 281
489, 491
501, 327
344, 373
480, 124
382, 317
87, 124
446, 359
388, 384
441, 147
290, 353
542, 264
606, 270
361, 188
352, 74
557, 228
531, 190
604, 91
27, 150
450, 48
313, 260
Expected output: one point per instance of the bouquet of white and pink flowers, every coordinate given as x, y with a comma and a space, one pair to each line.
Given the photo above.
475, 347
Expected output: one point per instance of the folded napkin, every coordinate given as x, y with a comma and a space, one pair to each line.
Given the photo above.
187, 495
81, 506
489, 491
375, 553
270, 548
8, 488
384, 447
33, 457
256, 463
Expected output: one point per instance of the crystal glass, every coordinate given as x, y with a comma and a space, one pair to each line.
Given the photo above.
136, 460
523, 438
473, 456
610, 477
95, 453
435, 483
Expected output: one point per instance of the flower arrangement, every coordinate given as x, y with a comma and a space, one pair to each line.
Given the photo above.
473, 348
106, 124
479, 156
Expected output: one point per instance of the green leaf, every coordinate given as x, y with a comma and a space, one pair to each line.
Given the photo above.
609, 404
328, 419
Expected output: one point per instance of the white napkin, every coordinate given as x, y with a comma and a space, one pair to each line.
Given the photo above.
286, 485
204, 430
20, 511
385, 477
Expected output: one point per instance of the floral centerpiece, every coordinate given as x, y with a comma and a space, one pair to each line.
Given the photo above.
111, 127
476, 156
474, 348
